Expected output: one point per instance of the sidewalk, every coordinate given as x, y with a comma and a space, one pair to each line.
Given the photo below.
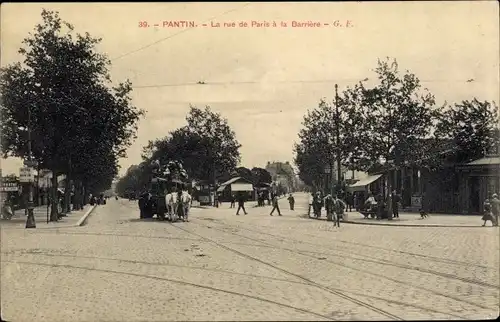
408, 219
71, 220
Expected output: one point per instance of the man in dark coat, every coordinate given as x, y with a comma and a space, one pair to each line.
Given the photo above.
241, 203
291, 201
144, 204
396, 199
275, 206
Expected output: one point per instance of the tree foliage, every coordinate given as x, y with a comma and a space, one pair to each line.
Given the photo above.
184, 145
473, 126
206, 147
245, 173
260, 176
390, 120
219, 140
62, 92
317, 147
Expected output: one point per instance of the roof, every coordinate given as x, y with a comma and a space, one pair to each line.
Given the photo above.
233, 180
366, 181
486, 161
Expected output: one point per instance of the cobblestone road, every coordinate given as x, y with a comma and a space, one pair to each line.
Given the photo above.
256, 267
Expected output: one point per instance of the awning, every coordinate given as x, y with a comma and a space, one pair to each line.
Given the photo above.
237, 187
361, 184
241, 187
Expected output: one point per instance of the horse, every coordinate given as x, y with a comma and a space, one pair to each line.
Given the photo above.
185, 203
171, 203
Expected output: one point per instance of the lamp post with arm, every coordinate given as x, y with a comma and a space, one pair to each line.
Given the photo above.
30, 164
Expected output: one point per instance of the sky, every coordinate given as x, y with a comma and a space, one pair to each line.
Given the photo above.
264, 79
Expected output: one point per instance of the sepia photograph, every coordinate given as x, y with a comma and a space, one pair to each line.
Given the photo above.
250, 161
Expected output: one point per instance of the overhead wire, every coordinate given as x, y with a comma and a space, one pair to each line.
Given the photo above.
280, 82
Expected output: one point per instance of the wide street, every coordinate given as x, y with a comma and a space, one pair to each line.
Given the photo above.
255, 267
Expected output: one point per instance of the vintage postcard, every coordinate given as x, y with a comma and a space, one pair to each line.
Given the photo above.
237, 161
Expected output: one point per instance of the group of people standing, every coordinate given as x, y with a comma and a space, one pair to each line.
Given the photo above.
98, 200
383, 207
334, 206
491, 210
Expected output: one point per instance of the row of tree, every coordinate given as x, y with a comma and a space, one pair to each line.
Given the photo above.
206, 147
60, 102
393, 123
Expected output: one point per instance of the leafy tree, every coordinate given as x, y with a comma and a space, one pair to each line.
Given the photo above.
472, 126
62, 86
222, 148
260, 176
206, 146
317, 146
134, 180
244, 173
389, 120
183, 145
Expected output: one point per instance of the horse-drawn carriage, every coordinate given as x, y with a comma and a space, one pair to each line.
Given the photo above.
164, 204
168, 201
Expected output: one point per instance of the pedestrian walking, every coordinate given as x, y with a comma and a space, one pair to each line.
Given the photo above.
495, 208
291, 201
396, 199
349, 201
233, 200
317, 204
241, 204
311, 202
488, 215
339, 207
12, 202
142, 206
275, 206
329, 207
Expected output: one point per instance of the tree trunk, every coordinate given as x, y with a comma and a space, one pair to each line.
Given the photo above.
54, 216
67, 190
81, 197
78, 196
85, 194
67, 195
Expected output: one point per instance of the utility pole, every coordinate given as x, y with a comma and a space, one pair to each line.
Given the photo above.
337, 125
30, 220
216, 201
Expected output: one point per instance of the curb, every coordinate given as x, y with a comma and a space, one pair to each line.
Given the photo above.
83, 220
80, 222
403, 225
408, 225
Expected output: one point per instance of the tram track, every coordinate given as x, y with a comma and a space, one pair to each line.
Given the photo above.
377, 260
210, 288
310, 282
221, 271
350, 267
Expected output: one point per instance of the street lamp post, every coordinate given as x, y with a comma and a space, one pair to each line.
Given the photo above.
30, 220
337, 125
